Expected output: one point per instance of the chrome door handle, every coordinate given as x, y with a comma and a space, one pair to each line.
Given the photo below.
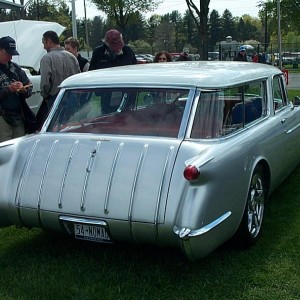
283, 120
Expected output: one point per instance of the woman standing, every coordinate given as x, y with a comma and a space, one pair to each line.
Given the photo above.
72, 45
162, 56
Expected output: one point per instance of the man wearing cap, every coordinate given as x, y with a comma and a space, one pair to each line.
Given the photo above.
112, 53
15, 86
241, 56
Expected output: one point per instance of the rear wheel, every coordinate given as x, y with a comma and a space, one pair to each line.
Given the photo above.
251, 224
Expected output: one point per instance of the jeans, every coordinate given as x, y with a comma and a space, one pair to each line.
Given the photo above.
8, 132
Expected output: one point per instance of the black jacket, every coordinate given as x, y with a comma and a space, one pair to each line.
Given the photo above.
9, 73
240, 57
82, 62
103, 57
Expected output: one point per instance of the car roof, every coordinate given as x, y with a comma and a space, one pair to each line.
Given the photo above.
204, 74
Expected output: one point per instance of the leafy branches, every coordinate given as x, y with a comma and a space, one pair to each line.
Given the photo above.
122, 10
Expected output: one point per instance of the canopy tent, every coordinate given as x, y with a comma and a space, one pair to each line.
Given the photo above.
28, 36
248, 47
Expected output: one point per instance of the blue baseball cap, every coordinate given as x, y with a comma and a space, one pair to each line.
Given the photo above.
9, 45
242, 48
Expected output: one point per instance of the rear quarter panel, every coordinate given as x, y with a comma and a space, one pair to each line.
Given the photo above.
226, 166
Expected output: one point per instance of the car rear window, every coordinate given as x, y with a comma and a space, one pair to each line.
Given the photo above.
128, 111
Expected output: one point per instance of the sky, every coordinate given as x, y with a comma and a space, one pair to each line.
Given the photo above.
236, 7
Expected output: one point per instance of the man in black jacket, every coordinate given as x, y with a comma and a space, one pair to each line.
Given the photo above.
15, 86
242, 55
112, 53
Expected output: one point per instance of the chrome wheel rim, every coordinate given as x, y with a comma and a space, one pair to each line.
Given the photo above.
256, 204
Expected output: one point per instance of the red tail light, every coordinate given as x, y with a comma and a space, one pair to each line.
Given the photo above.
191, 173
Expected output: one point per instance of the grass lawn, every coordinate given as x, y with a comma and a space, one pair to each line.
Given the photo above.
292, 69
293, 93
38, 265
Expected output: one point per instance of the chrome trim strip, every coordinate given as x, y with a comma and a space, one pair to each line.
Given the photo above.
84, 221
25, 172
196, 162
189, 112
169, 155
54, 145
88, 169
111, 175
62, 187
292, 129
185, 233
136, 176
7, 144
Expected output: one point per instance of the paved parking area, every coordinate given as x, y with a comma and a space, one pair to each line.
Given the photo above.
294, 81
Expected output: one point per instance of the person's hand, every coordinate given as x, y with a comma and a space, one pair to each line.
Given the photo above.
24, 88
15, 86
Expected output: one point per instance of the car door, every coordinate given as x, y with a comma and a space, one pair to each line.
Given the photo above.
288, 121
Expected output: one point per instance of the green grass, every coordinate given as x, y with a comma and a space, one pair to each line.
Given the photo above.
38, 265
293, 93
292, 69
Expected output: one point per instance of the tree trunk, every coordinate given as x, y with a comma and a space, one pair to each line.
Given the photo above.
200, 16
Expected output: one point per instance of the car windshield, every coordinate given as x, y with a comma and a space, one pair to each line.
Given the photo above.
128, 111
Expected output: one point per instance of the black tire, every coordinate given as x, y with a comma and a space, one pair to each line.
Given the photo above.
251, 224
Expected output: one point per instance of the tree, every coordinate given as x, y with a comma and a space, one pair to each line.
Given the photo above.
180, 38
165, 36
49, 11
97, 31
151, 26
289, 17
289, 14
228, 24
123, 10
58, 11
200, 16
136, 27
175, 19
251, 31
140, 46
191, 33
215, 33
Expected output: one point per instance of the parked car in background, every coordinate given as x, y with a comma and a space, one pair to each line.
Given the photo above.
28, 37
175, 56
150, 57
288, 58
194, 56
177, 154
213, 55
144, 58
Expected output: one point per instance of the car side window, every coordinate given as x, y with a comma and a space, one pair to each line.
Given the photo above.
223, 112
279, 95
252, 106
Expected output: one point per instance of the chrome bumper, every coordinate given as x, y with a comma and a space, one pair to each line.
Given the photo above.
186, 233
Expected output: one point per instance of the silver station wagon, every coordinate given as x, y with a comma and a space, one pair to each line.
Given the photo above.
181, 154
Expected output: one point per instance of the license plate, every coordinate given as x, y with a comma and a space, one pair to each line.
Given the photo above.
91, 233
